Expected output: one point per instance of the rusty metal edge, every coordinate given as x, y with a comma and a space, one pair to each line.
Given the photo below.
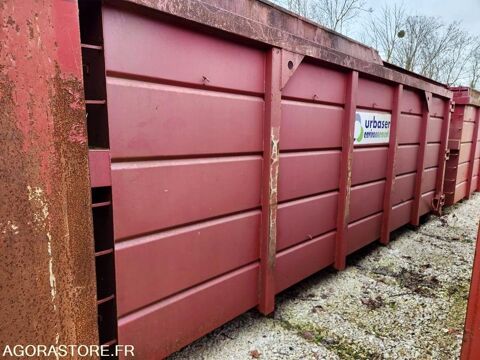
320, 27
443, 155
49, 291
345, 178
466, 96
278, 73
271, 157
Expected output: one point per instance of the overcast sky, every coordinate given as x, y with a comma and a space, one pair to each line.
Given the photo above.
467, 11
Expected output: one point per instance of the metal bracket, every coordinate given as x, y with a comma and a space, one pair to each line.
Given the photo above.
452, 106
437, 204
290, 63
428, 98
447, 154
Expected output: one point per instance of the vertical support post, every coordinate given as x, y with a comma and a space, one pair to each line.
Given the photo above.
391, 169
443, 154
345, 180
271, 137
415, 216
471, 334
472, 154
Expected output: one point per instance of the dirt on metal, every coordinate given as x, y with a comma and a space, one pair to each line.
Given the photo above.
406, 300
47, 278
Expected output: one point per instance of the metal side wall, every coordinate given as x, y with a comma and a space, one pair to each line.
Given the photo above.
233, 173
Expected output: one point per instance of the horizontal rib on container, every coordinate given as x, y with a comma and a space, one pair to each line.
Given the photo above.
233, 169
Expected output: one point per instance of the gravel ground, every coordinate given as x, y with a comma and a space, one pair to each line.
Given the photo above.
406, 300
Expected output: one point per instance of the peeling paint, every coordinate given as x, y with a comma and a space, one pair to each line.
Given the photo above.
36, 195
9, 227
77, 134
53, 286
273, 189
47, 277
271, 155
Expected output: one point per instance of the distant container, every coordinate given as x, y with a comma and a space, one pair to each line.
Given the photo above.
461, 176
244, 149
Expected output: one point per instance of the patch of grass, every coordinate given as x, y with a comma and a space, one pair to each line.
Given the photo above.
344, 348
451, 328
393, 305
458, 296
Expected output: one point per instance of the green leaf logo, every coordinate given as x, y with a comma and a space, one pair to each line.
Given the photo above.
360, 137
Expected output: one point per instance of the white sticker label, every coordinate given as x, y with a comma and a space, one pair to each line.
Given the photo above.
372, 128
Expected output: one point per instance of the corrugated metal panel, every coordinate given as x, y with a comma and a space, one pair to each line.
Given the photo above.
200, 127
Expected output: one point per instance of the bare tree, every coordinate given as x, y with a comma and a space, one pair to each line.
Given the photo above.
423, 44
418, 31
336, 14
445, 56
301, 7
333, 14
385, 29
474, 57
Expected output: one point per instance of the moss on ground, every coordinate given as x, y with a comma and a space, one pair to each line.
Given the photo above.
346, 349
457, 297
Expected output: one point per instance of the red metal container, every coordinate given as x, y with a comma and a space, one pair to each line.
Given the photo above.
244, 149
461, 176
47, 281
471, 334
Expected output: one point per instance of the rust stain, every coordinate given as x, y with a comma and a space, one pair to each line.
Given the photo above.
273, 194
348, 187
46, 248
475, 97
465, 96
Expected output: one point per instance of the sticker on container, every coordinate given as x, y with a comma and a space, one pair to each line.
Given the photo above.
372, 128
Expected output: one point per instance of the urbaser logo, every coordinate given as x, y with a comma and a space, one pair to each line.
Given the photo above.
371, 128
